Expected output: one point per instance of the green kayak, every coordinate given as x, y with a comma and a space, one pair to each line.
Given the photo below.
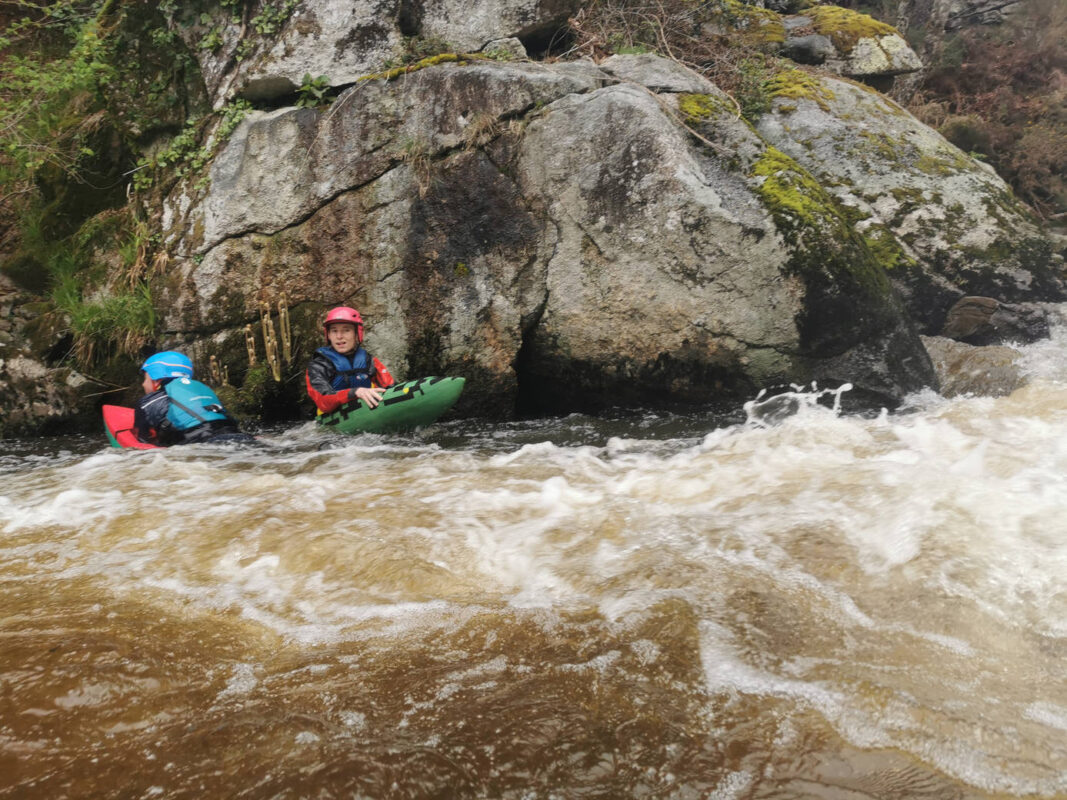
404, 406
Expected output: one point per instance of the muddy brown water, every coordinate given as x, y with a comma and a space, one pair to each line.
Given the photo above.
810, 606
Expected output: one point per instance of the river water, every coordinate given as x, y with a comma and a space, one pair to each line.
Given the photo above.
768, 605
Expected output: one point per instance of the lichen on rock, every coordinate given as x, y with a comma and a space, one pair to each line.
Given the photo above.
956, 225
462, 59
864, 46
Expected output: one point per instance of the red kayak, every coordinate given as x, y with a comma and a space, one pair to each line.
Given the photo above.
118, 422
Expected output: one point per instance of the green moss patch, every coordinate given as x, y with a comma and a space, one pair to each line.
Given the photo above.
790, 193
698, 107
943, 164
849, 297
442, 58
798, 85
886, 249
844, 27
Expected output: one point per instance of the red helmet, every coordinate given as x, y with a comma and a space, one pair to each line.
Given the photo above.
344, 314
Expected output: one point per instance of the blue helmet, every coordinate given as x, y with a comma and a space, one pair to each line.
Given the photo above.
168, 364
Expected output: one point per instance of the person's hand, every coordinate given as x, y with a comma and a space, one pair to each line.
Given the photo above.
371, 396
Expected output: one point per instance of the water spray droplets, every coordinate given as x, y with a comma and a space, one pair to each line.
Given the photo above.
778, 407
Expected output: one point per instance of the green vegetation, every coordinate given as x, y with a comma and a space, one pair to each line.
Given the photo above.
944, 164
694, 31
753, 26
98, 98
729, 41
112, 324
810, 218
750, 86
211, 16
246, 402
272, 16
313, 92
848, 294
105, 307
186, 154
791, 194
419, 48
886, 249
993, 94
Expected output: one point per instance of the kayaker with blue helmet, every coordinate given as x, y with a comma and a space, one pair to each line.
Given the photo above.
343, 371
176, 409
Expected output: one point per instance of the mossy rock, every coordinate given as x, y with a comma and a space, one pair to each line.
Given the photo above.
462, 59
845, 27
792, 195
754, 27
27, 272
887, 250
796, 84
849, 295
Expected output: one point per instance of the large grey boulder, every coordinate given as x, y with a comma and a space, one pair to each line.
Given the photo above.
264, 51
553, 232
280, 166
675, 271
943, 224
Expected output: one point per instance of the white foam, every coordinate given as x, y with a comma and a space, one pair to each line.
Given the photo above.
733, 786
243, 681
1055, 716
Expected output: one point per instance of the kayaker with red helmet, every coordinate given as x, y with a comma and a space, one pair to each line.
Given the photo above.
176, 409
343, 371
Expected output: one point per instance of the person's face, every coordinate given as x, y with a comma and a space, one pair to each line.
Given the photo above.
342, 337
148, 384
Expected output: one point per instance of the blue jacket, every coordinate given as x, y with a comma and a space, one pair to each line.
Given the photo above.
192, 403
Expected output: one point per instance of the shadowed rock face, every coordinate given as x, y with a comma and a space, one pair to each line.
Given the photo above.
34, 397
554, 233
